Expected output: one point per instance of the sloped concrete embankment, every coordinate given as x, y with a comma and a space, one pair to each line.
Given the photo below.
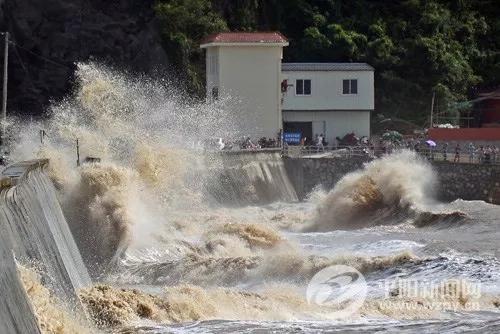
33, 230
249, 178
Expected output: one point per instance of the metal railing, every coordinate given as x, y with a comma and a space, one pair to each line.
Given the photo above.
466, 158
475, 157
333, 151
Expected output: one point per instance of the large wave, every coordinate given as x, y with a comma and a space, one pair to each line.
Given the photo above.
148, 136
53, 315
393, 189
141, 215
113, 307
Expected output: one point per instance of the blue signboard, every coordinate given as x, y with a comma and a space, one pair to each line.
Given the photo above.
292, 137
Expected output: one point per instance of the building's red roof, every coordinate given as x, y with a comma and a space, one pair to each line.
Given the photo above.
245, 37
464, 134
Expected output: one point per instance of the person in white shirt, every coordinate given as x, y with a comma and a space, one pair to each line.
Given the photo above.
221, 144
319, 143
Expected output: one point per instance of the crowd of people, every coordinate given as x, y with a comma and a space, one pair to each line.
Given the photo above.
455, 152
471, 153
244, 143
318, 144
463, 153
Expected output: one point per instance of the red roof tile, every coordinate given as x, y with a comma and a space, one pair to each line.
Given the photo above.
245, 37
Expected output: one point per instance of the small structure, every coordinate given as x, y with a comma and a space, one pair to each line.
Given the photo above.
333, 99
480, 123
247, 66
486, 109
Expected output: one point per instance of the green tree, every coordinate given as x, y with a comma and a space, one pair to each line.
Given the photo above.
418, 47
183, 25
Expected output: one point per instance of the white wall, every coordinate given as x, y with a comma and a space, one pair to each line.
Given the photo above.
253, 75
212, 70
333, 123
326, 91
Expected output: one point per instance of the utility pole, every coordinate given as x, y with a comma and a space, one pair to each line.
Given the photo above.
77, 153
4, 99
432, 109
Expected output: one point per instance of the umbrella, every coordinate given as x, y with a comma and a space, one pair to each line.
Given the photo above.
393, 136
431, 143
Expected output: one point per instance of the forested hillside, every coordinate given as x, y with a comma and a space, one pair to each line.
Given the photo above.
417, 47
49, 37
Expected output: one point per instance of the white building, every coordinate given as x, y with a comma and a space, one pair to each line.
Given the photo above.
247, 66
333, 99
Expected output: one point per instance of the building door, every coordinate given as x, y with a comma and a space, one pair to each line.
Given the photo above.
305, 129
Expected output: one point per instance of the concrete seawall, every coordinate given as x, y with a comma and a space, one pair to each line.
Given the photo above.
33, 230
245, 177
456, 180
307, 173
468, 181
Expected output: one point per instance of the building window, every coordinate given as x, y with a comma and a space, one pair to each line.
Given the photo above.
350, 86
303, 87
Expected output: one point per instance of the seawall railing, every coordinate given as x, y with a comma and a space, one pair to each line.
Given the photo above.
365, 151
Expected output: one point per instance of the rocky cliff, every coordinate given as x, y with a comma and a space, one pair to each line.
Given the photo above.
122, 33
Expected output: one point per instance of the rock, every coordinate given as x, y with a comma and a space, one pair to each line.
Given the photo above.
121, 33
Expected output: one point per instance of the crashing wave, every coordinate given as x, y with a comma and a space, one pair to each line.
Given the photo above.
276, 266
52, 314
149, 138
112, 307
394, 189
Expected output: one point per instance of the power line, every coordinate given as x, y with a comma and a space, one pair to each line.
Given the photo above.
40, 56
30, 79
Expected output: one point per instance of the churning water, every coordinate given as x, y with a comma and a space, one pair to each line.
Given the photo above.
179, 240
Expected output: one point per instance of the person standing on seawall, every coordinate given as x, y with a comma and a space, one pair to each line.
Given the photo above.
457, 153
445, 152
472, 152
319, 143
